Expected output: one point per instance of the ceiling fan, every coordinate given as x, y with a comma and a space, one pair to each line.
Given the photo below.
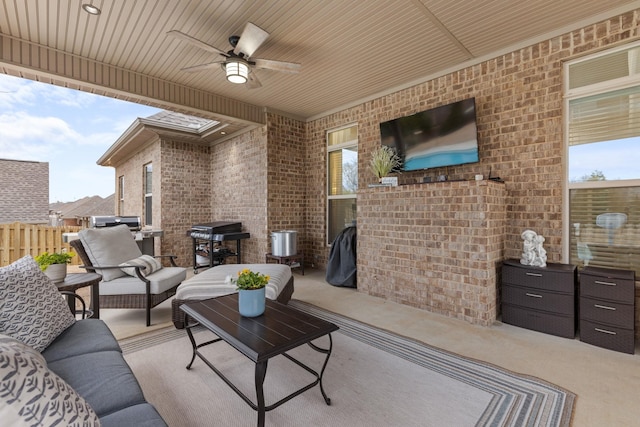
238, 62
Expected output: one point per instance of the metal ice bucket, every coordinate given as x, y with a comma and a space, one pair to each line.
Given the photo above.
284, 242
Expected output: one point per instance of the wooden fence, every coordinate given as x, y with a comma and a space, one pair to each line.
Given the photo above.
18, 239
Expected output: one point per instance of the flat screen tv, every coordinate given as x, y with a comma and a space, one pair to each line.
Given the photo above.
442, 136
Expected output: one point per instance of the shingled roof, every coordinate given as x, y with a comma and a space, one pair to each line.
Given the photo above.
85, 207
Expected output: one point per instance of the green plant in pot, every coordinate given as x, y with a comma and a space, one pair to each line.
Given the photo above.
251, 292
54, 264
384, 160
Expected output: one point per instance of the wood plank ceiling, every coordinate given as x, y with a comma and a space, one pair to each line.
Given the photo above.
349, 50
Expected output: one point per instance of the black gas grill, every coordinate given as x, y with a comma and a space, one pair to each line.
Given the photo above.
133, 222
207, 243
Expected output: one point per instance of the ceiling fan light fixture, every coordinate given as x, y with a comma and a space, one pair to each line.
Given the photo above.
237, 71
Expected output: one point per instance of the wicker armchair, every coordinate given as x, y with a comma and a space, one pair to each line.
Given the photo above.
126, 286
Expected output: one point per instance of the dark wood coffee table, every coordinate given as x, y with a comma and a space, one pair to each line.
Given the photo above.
279, 329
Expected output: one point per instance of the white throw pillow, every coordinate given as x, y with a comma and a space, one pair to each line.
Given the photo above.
150, 263
32, 395
109, 246
31, 308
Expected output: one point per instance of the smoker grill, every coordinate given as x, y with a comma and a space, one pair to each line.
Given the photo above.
207, 243
133, 222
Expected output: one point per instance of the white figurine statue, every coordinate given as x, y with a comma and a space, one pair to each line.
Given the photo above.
540, 259
528, 249
532, 251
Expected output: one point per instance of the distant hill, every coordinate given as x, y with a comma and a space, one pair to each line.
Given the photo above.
85, 207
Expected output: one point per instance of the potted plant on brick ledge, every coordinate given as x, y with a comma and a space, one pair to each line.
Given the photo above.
251, 287
54, 265
383, 161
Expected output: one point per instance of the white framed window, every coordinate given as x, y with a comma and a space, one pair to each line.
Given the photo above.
342, 179
121, 195
602, 104
148, 194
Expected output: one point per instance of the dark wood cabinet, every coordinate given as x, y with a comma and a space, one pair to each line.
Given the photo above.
607, 308
540, 298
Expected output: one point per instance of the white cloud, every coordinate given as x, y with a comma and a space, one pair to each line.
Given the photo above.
67, 128
15, 91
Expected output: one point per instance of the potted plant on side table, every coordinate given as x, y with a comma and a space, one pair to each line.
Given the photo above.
54, 265
251, 292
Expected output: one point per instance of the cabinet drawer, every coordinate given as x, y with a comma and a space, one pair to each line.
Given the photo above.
613, 338
610, 288
563, 326
538, 299
610, 313
539, 278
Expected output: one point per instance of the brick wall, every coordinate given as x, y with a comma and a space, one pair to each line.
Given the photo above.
286, 177
520, 129
132, 170
239, 189
185, 195
434, 246
24, 191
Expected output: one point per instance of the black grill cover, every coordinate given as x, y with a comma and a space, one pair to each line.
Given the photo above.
341, 268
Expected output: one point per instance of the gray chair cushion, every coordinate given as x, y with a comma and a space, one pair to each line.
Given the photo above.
31, 308
104, 380
161, 280
109, 246
84, 336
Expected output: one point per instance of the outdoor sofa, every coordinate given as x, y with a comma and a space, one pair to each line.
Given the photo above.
56, 370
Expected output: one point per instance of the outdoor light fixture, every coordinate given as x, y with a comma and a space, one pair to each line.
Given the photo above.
237, 70
91, 9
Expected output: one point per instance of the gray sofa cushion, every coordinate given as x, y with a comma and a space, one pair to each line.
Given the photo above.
103, 379
143, 415
86, 336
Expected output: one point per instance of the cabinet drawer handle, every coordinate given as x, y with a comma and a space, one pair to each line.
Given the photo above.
534, 274
598, 282
604, 307
604, 331
533, 295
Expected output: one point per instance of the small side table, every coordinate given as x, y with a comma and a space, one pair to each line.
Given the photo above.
75, 281
290, 260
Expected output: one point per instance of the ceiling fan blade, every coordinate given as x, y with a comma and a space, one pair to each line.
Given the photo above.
253, 82
201, 67
286, 67
250, 40
196, 42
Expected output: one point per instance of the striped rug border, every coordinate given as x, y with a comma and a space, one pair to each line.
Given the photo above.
517, 400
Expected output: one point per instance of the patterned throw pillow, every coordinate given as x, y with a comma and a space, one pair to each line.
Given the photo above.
32, 395
31, 308
152, 265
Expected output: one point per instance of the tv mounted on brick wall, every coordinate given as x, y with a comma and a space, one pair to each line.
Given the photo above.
442, 136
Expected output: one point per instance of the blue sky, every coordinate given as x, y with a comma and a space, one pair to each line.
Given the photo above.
69, 129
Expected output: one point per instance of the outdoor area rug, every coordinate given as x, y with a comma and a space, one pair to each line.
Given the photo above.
374, 378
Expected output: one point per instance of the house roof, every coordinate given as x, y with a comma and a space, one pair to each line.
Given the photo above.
85, 207
166, 124
350, 51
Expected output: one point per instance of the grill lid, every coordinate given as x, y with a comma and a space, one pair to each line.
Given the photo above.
133, 222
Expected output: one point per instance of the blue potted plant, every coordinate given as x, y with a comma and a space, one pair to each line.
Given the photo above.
251, 292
